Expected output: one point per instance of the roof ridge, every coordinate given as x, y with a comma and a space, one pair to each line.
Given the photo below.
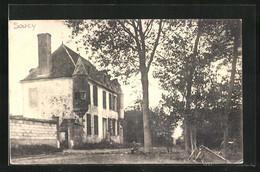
60, 60
69, 54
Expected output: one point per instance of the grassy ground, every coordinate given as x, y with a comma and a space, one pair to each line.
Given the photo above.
159, 156
100, 159
29, 150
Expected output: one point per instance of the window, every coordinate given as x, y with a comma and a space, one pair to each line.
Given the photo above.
96, 125
117, 127
80, 95
88, 124
33, 97
114, 103
95, 95
114, 126
109, 126
104, 99
88, 94
110, 101
83, 95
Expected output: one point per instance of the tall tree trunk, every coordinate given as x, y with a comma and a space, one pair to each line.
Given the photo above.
145, 107
191, 139
195, 137
236, 33
189, 85
187, 135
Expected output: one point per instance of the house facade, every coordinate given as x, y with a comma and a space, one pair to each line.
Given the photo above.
87, 104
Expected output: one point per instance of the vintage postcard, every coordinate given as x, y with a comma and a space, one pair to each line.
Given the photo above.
125, 91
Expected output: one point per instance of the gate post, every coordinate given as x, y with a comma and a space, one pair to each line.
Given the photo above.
71, 133
56, 118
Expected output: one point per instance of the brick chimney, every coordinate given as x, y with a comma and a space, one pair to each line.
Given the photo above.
44, 53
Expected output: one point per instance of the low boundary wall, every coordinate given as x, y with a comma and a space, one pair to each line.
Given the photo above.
29, 131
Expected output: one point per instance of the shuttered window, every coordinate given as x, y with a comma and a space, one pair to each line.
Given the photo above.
96, 125
114, 126
88, 94
117, 127
109, 126
88, 124
110, 101
114, 103
104, 99
95, 95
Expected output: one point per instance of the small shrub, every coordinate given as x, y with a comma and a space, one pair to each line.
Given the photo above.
27, 150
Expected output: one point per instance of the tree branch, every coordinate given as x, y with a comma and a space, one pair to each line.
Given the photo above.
141, 36
146, 32
155, 45
131, 35
136, 38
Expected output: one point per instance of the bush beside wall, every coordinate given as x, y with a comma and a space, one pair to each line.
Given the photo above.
28, 150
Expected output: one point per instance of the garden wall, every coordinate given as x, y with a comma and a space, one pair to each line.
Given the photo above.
29, 131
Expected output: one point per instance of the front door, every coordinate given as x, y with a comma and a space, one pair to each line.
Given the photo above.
104, 128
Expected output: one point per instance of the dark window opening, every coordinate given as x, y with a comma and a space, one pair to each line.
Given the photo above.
110, 101
83, 95
114, 103
117, 127
88, 93
104, 100
109, 126
114, 126
88, 124
80, 95
95, 95
96, 125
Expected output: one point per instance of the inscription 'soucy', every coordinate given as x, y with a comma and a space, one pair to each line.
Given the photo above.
24, 26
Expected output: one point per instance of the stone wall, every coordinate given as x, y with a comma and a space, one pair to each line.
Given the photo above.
29, 131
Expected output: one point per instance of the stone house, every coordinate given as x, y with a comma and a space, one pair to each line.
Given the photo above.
87, 104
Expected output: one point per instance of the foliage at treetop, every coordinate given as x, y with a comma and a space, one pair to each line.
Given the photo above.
188, 70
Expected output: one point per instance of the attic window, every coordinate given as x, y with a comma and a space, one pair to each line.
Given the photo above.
83, 95
80, 95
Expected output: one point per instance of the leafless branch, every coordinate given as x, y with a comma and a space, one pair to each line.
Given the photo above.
131, 35
155, 45
149, 27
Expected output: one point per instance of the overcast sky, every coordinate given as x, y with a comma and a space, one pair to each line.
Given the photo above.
23, 55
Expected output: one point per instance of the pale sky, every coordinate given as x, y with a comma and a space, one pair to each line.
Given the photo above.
23, 55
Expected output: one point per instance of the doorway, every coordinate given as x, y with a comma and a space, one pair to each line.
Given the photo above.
105, 128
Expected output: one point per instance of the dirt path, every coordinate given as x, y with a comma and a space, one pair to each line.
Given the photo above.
104, 156
98, 159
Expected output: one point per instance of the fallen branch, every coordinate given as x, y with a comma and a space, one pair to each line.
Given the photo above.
207, 149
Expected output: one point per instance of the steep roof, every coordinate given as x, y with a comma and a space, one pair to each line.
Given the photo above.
63, 65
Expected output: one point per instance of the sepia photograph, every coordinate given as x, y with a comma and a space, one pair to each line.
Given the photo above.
125, 91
